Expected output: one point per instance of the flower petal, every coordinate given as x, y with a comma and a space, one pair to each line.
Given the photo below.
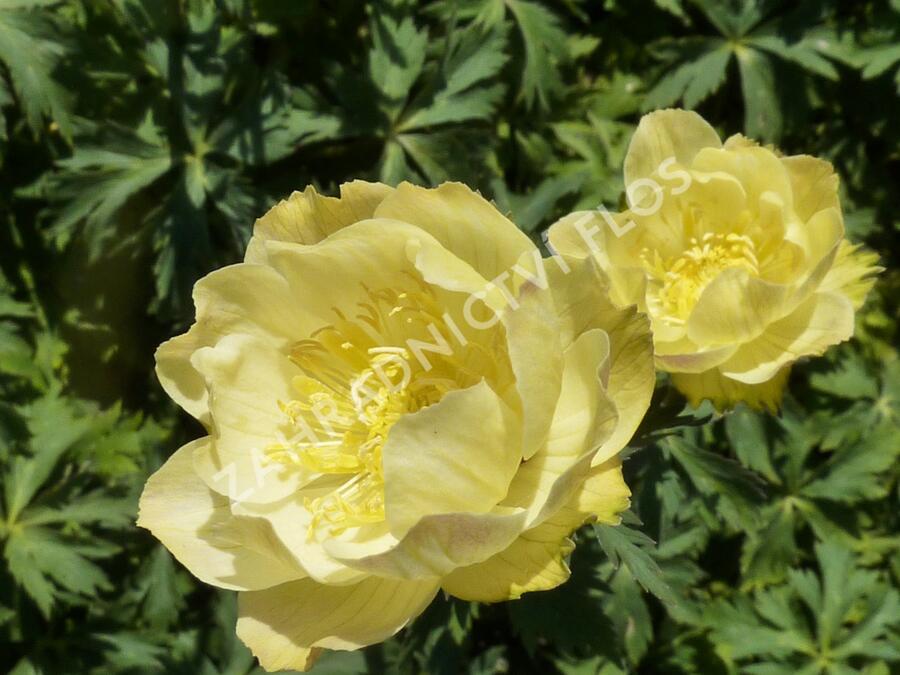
435, 545
282, 625
308, 217
246, 378
725, 393
197, 526
585, 418
735, 307
535, 561
463, 221
535, 353
813, 183
290, 521
686, 357
250, 299
853, 273
825, 319
583, 303
680, 134
455, 456
757, 169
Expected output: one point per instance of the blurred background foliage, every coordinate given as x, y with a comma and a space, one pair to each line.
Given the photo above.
140, 139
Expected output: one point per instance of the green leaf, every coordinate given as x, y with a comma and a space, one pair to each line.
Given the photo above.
716, 475
631, 547
854, 473
802, 52
544, 41
746, 432
463, 92
97, 181
762, 108
396, 57
700, 74
31, 50
40, 560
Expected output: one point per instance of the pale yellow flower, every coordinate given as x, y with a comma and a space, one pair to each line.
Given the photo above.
735, 253
401, 397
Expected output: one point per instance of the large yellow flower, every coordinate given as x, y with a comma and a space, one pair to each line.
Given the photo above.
401, 397
736, 254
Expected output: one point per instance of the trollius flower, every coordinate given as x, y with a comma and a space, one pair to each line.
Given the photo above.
400, 397
736, 254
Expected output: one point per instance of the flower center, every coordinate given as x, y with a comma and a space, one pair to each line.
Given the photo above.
680, 281
359, 377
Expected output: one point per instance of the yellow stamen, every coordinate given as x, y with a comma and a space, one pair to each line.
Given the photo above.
680, 281
358, 378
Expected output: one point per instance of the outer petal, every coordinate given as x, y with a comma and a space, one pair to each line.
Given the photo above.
283, 624
821, 238
603, 496
535, 353
455, 456
464, 222
825, 319
536, 560
435, 545
683, 356
680, 134
725, 393
533, 562
584, 419
197, 526
853, 273
251, 299
814, 184
371, 254
583, 303
308, 217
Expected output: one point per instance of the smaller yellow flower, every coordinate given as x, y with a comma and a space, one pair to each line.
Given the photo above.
736, 254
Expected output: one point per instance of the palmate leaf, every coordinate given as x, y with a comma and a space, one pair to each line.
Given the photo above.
626, 608
429, 136
40, 560
98, 180
269, 127
50, 523
746, 432
545, 43
461, 91
842, 617
698, 65
126, 651
54, 430
822, 469
31, 50
533, 209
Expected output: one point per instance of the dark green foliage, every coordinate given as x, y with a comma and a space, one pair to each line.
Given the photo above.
139, 140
